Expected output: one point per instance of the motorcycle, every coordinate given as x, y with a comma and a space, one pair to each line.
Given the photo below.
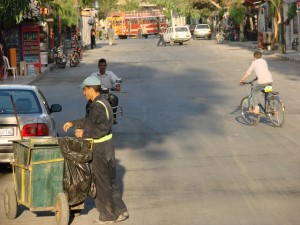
74, 58
60, 57
113, 101
220, 37
78, 49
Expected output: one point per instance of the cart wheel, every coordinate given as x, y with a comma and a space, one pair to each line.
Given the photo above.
75, 213
62, 212
10, 203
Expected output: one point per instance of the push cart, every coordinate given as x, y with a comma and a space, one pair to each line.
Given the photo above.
38, 174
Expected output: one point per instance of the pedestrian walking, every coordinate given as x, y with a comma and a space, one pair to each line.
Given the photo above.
111, 34
98, 126
93, 38
2, 64
103, 34
161, 37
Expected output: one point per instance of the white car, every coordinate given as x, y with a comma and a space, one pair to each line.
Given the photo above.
35, 118
177, 34
202, 31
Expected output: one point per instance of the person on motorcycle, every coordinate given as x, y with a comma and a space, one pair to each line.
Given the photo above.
263, 75
109, 81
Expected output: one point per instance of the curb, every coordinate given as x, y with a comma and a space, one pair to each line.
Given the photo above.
288, 57
43, 73
291, 59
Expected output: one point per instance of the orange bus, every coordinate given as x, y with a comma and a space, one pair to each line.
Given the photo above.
137, 24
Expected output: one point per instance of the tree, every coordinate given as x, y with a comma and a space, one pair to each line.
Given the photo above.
237, 13
105, 7
12, 11
130, 5
274, 11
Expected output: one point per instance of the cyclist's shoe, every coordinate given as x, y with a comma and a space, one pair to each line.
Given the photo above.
254, 110
122, 217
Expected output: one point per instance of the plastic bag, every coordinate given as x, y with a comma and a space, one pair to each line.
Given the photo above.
78, 180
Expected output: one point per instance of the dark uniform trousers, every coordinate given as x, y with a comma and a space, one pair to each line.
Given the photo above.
108, 199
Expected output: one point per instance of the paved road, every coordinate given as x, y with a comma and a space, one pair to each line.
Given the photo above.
184, 154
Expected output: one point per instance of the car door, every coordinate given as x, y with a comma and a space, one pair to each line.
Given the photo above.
48, 116
167, 34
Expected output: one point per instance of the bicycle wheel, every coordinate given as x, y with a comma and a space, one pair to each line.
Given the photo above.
275, 111
245, 107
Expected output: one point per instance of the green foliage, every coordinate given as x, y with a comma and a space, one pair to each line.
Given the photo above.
273, 6
130, 5
292, 12
237, 11
12, 11
191, 8
105, 7
68, 13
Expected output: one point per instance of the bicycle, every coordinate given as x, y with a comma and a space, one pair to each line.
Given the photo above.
272, 107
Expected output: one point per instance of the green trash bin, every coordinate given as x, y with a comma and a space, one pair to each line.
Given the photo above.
38, 175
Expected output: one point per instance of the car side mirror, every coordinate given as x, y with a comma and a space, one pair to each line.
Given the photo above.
55, 108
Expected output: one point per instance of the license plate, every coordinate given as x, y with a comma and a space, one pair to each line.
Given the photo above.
6, 131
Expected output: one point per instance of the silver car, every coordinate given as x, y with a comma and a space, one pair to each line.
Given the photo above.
202, 31
26, 105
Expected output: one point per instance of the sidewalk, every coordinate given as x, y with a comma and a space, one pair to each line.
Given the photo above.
29, 79
291, 55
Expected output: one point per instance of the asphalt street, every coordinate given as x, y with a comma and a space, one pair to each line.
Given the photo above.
185, 156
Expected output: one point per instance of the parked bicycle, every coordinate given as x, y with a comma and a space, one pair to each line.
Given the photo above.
272, 106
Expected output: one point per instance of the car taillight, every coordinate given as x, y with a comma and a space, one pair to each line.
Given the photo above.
35, 129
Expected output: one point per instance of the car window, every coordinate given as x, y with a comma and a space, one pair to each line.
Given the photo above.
181, 29
25, 101
44, 101
202, 26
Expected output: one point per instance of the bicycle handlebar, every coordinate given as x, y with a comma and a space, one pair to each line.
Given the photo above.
250, 82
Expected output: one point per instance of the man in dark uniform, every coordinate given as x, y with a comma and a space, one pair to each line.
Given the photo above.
98, 126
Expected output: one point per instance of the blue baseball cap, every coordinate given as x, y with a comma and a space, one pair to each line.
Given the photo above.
90, 81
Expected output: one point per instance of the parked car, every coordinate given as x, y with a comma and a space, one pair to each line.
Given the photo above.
33, 112
202, 31
177, 34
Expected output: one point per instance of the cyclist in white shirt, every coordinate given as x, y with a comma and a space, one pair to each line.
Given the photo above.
264, 77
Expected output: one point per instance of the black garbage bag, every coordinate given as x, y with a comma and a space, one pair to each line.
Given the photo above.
78, 181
